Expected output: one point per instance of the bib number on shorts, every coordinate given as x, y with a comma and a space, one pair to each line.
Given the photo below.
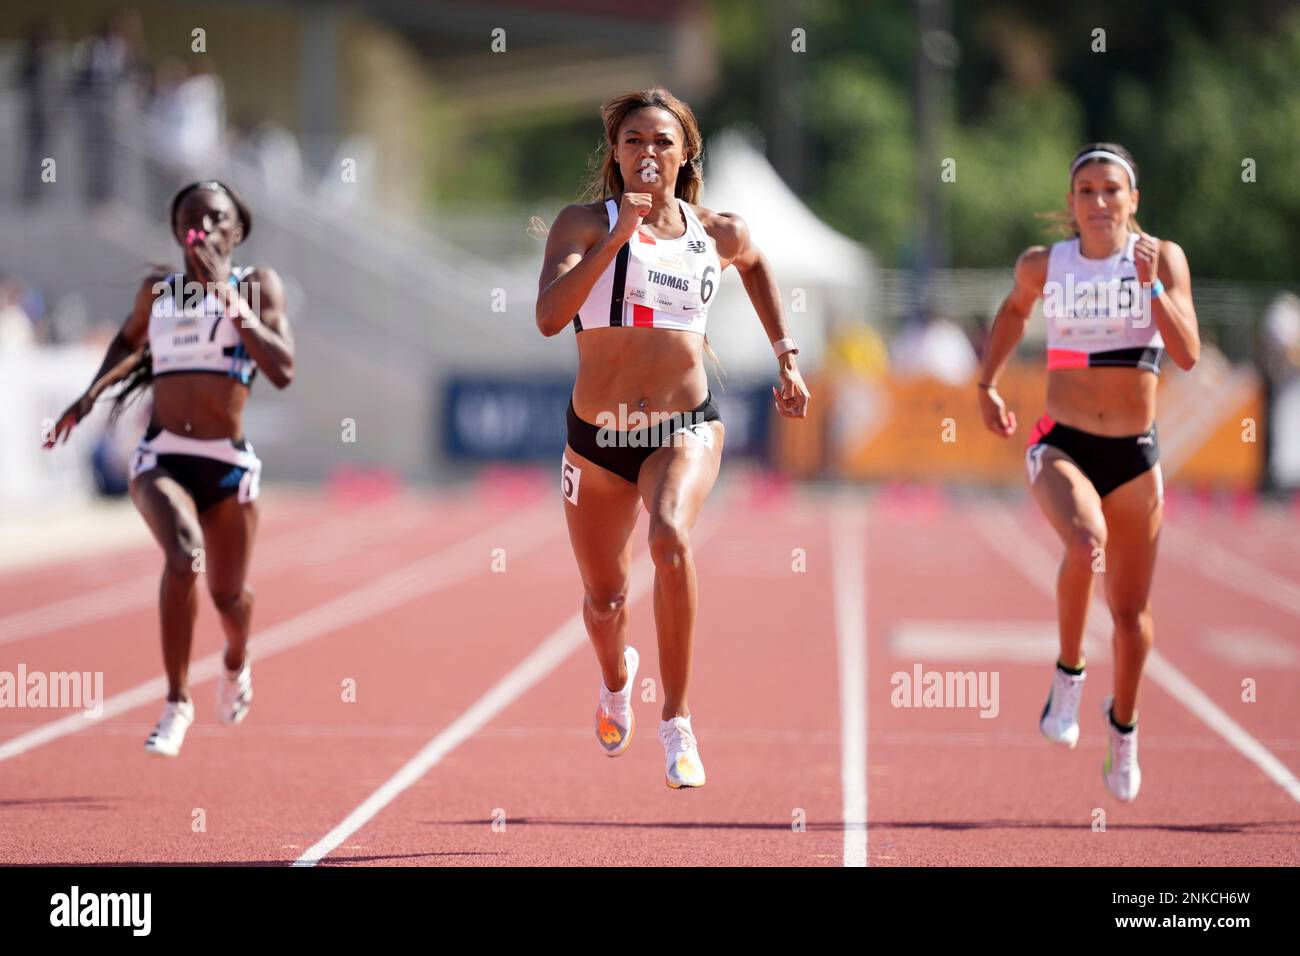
569, 479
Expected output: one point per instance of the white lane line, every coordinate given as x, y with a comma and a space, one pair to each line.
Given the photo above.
1022, 641
1250, 647
444, 568
1033, 560
1223, 567
289, 550
547, 656
849, 577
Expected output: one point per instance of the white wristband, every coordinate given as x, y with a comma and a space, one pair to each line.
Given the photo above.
782, 346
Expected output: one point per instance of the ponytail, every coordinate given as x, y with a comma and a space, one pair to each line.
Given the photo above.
136, 383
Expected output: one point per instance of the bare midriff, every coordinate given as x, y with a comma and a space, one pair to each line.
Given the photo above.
642, 369
200, 405
1115, 402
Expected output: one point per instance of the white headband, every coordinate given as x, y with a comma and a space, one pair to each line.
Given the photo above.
1109, 157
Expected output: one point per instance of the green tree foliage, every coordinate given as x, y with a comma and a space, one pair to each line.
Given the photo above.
514, 159
1223, 103
1193, 89
867, 185
1011, 169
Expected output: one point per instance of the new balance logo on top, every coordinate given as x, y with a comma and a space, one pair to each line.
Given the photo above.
695, 245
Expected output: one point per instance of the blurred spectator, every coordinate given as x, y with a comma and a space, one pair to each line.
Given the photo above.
201, 117
935, 347
186, 115
38, 80
162, 117
858, 349
271, 150
186, 119
107, 66
164, 105
857, 360
67, 321
16, 323
1279, 356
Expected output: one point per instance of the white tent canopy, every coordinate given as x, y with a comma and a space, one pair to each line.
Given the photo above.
817, 268
739, 179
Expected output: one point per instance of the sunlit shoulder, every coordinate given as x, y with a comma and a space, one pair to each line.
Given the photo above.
729, 231
582, 218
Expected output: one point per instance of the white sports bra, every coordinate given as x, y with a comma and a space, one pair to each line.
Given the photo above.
1095, 311
188, 336
655, 283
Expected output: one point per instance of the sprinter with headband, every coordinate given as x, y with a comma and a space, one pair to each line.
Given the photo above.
1115, 301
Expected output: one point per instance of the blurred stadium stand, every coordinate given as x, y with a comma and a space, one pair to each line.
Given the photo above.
398, 312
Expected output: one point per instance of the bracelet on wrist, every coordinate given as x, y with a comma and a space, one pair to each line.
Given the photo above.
781, 346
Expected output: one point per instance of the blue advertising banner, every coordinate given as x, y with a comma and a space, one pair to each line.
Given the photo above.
491, 418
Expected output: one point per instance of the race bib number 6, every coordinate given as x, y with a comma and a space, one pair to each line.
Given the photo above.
569, 479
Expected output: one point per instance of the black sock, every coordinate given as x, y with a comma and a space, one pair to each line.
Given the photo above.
1072, 671
1117, 725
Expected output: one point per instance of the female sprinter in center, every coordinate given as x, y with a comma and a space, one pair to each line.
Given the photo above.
633, 273
1115, 300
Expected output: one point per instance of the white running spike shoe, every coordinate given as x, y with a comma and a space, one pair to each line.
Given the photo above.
1059, 722
234, 694
615, 720
167, 737
681, 756
1121, 772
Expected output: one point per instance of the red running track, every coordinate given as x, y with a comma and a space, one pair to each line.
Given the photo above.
406, 601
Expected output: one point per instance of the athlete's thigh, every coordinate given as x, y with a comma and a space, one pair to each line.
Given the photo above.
228, 531
1065, 495
1133, 514
167, 508
601, 511
675, 480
